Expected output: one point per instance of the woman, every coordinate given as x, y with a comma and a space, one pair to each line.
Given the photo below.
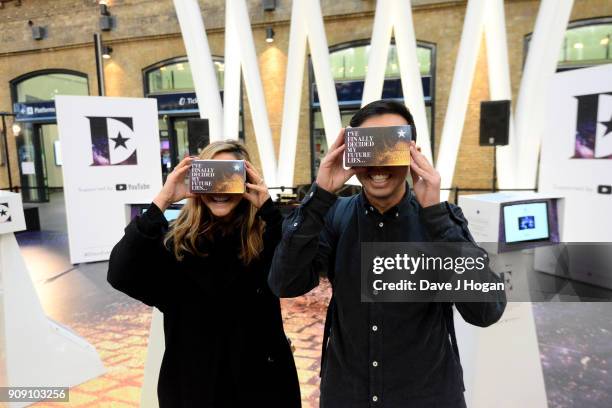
225, 344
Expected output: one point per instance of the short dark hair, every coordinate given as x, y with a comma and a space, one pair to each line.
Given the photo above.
382, 107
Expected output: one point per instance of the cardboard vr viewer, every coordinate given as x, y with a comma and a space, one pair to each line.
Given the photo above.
377, 146
217, 177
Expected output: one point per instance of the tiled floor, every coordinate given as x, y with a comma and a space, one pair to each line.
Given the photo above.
121, 341
575, 339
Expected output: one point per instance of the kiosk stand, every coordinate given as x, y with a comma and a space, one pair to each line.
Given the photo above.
34, 350
157, 345
501, 363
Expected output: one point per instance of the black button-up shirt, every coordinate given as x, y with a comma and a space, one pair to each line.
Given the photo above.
379, 354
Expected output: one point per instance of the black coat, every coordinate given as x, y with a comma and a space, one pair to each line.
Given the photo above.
225, 343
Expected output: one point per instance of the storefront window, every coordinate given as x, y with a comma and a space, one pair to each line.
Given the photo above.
44, 87
176, 77
33, 96
170, 82
586, 43
349, 65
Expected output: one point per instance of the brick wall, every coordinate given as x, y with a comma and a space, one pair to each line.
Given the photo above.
147, 32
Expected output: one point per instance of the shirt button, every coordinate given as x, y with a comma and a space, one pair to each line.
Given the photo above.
295, 224
311, 193
374, 398
374, 328
366, 212
371, 208
381, 225
397, 214
375, 363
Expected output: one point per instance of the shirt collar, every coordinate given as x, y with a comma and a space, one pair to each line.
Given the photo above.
397, 210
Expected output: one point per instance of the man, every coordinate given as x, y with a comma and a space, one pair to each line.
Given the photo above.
379, 354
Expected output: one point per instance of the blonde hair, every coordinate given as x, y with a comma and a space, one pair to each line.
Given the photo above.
196, 222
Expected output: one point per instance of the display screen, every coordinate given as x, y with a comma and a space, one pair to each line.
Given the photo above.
170, 214
526, 222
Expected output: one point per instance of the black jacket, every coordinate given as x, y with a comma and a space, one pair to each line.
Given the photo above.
387, 355
225, 343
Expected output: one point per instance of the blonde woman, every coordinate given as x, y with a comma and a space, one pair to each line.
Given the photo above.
207, 272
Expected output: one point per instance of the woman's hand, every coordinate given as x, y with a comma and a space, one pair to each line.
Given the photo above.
257, 191
175, 188
425, 178
332, 175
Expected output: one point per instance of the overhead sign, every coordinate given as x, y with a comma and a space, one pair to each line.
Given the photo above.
110, 153
34, 111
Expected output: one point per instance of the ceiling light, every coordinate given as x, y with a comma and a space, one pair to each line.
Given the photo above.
578, 45
269, 35
605, 41
106, 51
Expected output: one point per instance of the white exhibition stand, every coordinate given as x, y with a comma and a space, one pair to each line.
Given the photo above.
34, 350
155, 353
501, 363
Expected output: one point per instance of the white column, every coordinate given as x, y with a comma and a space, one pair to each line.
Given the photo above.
396, 15
499, 82
306, 27
241, 47
202, 67
465, 65
540, 66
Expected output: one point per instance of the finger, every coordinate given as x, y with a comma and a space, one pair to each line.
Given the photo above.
253, 176
334, 155
414, 175
186, 160
421, 160
416, 169
250, 196
257, 187
190, 195
181, 171
339, 140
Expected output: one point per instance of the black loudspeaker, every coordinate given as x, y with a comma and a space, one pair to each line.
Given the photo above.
197, 134
494, 123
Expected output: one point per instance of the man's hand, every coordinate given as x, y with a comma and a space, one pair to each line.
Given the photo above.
332, 175
425, 178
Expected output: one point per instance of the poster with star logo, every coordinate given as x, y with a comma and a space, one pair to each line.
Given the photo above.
111, 157
576, 152
11, 212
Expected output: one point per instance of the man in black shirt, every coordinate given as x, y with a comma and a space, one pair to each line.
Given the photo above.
391, 355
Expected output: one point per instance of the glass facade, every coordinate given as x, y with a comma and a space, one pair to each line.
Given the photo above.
38, 142
176, 77
171, 83
44, 87
588, 44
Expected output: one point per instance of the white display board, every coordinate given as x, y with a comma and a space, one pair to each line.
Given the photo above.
576, 156
110, 153
35, 351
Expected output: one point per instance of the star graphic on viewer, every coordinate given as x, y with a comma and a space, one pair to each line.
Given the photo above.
2, 212
120, 141
608, 126
236, 167
401, 133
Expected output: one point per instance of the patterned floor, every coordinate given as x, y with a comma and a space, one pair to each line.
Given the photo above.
121, 340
